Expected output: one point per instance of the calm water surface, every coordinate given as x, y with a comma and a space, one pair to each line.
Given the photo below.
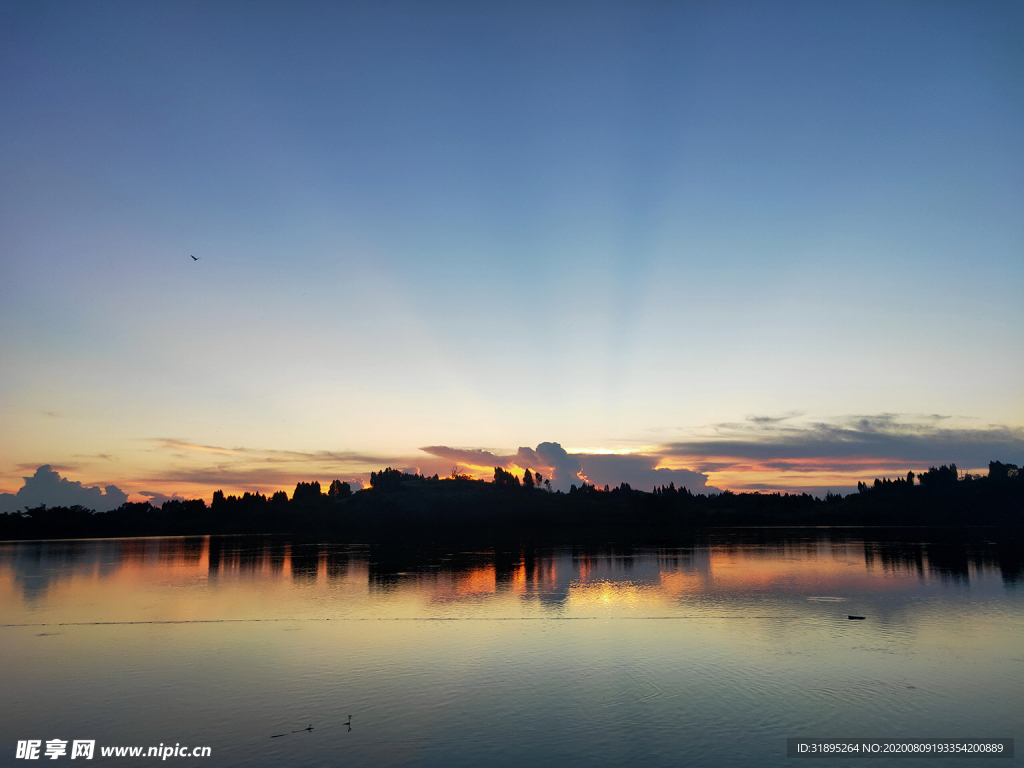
709, 654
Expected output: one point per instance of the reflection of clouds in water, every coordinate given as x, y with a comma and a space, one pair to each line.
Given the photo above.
37, 567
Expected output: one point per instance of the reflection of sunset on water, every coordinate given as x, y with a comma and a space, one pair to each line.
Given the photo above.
608, 594
804, 569
238, 578
476, 582
678, 583
733, 620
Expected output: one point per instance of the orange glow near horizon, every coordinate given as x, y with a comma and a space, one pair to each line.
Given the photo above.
796, 474
738, 474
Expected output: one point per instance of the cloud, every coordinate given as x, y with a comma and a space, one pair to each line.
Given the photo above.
787, 452
560, 467
772, 419
274, 456
764, 452
564, 469
252, 478
641, 471
32, 467
883, 437
814, 456
474, 457
258, 469
47, 487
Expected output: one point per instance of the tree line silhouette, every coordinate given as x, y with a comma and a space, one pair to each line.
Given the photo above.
402, 505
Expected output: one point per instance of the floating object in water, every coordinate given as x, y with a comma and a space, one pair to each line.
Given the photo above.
307, 728
856, 618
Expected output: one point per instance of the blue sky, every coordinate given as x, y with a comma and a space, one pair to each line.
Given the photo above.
615, 226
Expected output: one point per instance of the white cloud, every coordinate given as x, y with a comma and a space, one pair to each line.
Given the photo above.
47, 487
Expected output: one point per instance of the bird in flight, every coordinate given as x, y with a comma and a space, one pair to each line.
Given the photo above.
193, 258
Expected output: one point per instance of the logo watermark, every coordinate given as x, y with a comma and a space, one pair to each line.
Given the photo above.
54, 749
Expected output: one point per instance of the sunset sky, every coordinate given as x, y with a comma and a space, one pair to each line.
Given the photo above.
723, 244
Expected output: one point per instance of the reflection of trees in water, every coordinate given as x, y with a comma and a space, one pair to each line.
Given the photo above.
541, 573
952, 554
309, 560
36, 566
281, 557
247, 555
548, 572
950, 561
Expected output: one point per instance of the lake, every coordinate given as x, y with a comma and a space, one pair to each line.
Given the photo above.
711, 652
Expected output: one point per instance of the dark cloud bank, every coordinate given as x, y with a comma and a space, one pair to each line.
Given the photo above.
886, 437
47, 487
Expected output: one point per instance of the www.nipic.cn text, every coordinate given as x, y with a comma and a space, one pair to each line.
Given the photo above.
53, 749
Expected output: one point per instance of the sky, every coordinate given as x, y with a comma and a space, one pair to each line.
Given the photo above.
774, 246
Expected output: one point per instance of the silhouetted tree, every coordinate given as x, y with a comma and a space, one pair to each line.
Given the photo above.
339, 490
307, 492
999, 471
387, 479
938, 477
528, 478
505, 479
941, 497
182, 507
